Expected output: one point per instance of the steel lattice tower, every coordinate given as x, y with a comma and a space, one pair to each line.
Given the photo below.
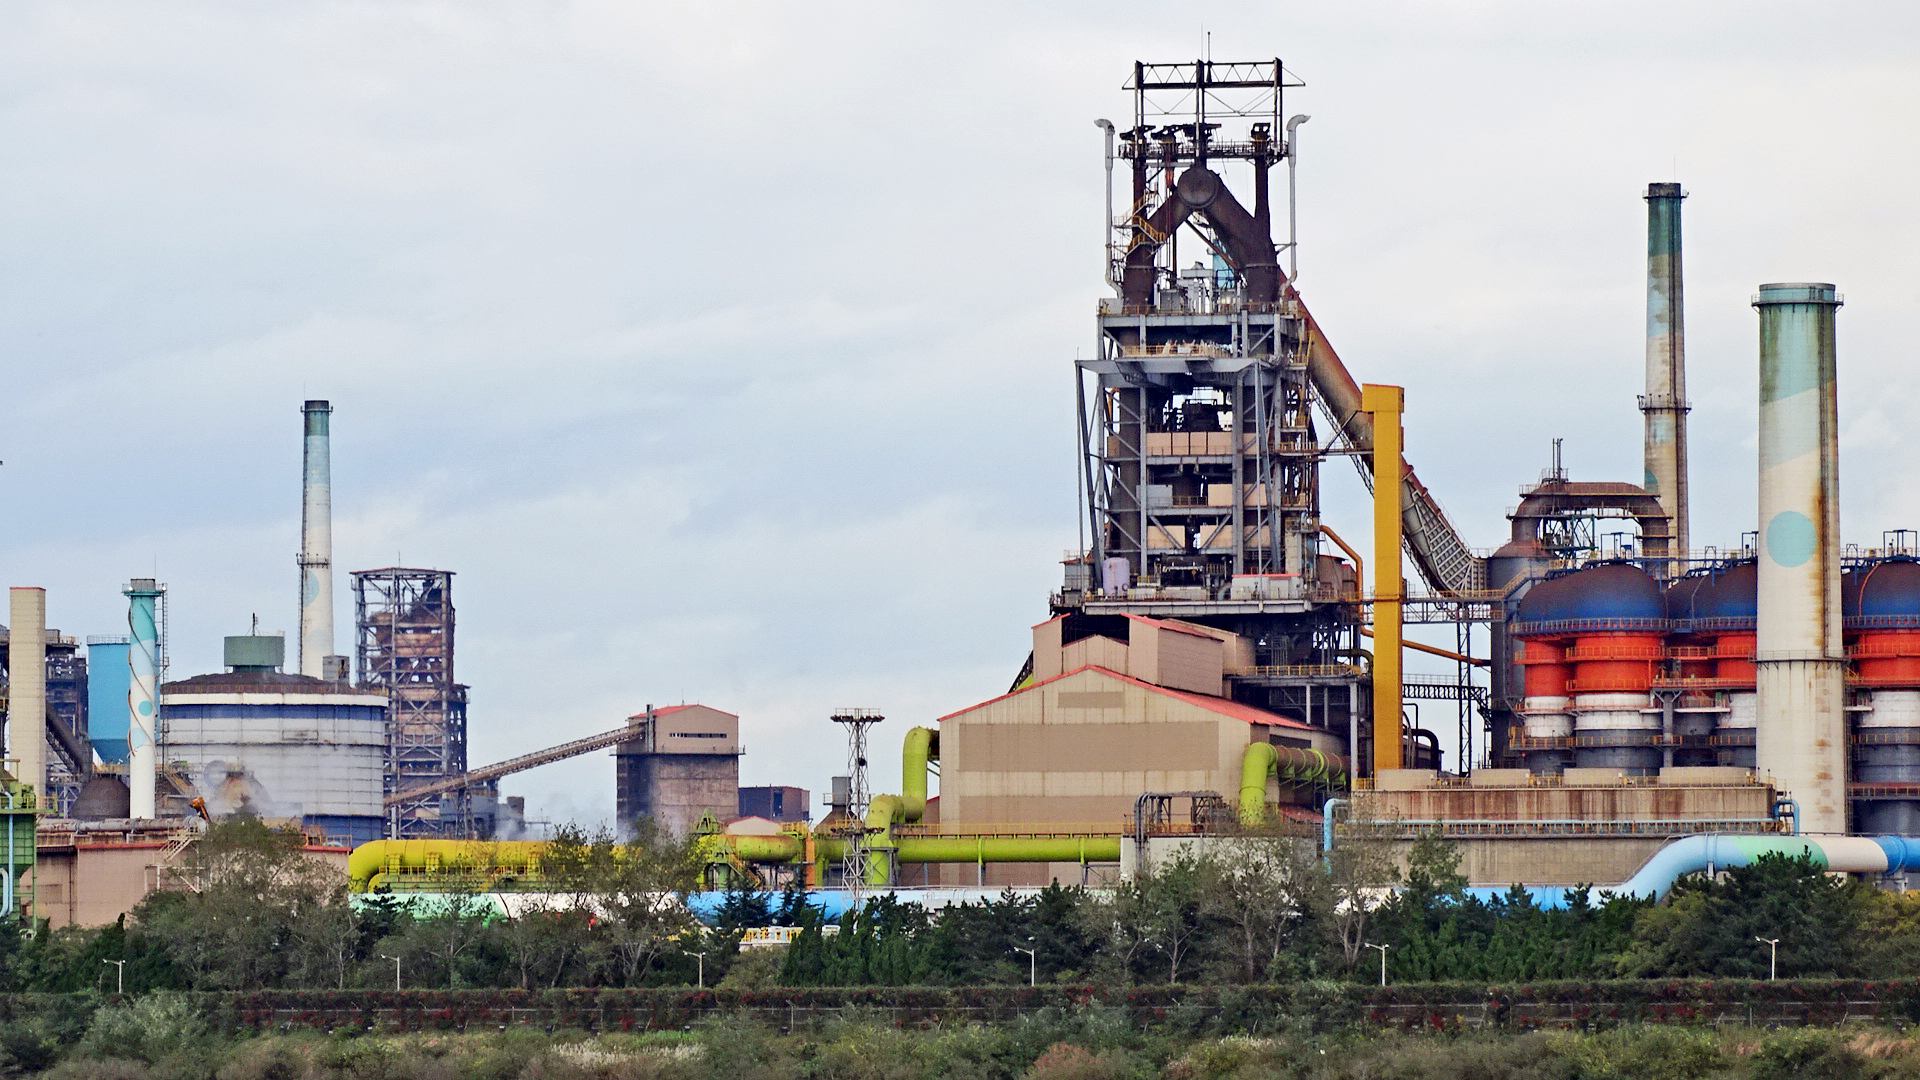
853, 864
404, 645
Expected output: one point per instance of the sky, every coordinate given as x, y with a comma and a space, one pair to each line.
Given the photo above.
724, 351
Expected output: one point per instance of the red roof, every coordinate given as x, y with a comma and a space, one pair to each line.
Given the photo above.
1205, 701
1176, 627
669, 710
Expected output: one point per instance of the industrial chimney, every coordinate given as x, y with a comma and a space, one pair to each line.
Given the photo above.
143, 696
316, 546
27, 667
1665, 403
1801, 736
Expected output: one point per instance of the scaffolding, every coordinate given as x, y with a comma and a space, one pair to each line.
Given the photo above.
404, 645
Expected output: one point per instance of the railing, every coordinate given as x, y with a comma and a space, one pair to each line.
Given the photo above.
1297, 671
1178, 349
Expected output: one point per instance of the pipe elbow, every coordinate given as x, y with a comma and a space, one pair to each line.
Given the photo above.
1260, 761
920, 749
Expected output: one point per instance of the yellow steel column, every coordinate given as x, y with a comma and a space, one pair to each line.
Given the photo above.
1385, 403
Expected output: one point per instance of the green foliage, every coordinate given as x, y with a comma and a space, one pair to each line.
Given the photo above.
148, 1029
1711, 927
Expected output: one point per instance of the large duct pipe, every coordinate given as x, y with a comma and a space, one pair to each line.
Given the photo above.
316, 544
27, 672
143, 696
1801, 732
1665, 402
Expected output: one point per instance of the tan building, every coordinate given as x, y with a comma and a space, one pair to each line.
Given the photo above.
683, 766
91, 873
1079, 746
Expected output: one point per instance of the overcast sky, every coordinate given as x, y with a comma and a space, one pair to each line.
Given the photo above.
724, 350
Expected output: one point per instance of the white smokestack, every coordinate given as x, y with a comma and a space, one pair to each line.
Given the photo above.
143, 696
1801, 735
316, 545
27, 702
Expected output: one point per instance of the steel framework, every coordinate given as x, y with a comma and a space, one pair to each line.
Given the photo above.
853, 866
404, 645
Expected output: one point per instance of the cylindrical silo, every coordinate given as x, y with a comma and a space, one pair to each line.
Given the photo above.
27, 693
1800, 657
1883, 610
1724, 617
1547, 725
143, 695
316, 543
1695, 711
1603, 630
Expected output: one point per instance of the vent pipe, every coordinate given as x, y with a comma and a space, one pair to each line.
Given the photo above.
316, 545
143, 696
1801, 736
27, 672
1664, 405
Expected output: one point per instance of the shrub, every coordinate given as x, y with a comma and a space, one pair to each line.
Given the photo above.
27, 1045
97, 1069
147, 1030
1065, 1061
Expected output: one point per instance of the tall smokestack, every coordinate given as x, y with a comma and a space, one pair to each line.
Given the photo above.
1665, 402
316, 545
27, 671
143, 696
1801, 736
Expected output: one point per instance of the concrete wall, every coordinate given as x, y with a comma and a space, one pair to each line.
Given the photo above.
92, 884
676, 790
1626, 803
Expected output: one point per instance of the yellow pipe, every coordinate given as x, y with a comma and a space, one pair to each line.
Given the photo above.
1384, 404
489, 857
1434, 650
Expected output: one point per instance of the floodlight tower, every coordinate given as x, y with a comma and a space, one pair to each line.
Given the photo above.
853, 864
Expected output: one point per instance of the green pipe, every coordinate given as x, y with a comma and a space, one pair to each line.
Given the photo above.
783, 848
1293, 764
996, 849
883, 813
922, 748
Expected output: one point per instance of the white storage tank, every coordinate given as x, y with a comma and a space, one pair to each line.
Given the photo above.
281, 746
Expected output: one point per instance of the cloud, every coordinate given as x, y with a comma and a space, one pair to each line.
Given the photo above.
723, 350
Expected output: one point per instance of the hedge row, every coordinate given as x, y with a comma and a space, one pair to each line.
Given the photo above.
1321, 1006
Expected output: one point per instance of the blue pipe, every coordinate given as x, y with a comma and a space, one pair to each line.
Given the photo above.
1326, 823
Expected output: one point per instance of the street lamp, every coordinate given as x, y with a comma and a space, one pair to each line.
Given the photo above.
1033, 965
700, 959
119, 976
1383, 960
396, 969
1773, 956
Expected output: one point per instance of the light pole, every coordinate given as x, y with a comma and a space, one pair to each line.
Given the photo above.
700, 960
1033, 965
396, 969
1383, 960
119, 976
1773, 956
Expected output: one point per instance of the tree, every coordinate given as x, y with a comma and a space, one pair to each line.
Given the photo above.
637, 890
229, 921
1261, 886
1709, 927
1360, 870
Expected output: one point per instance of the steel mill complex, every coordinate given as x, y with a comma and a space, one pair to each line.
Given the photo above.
1217, 658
